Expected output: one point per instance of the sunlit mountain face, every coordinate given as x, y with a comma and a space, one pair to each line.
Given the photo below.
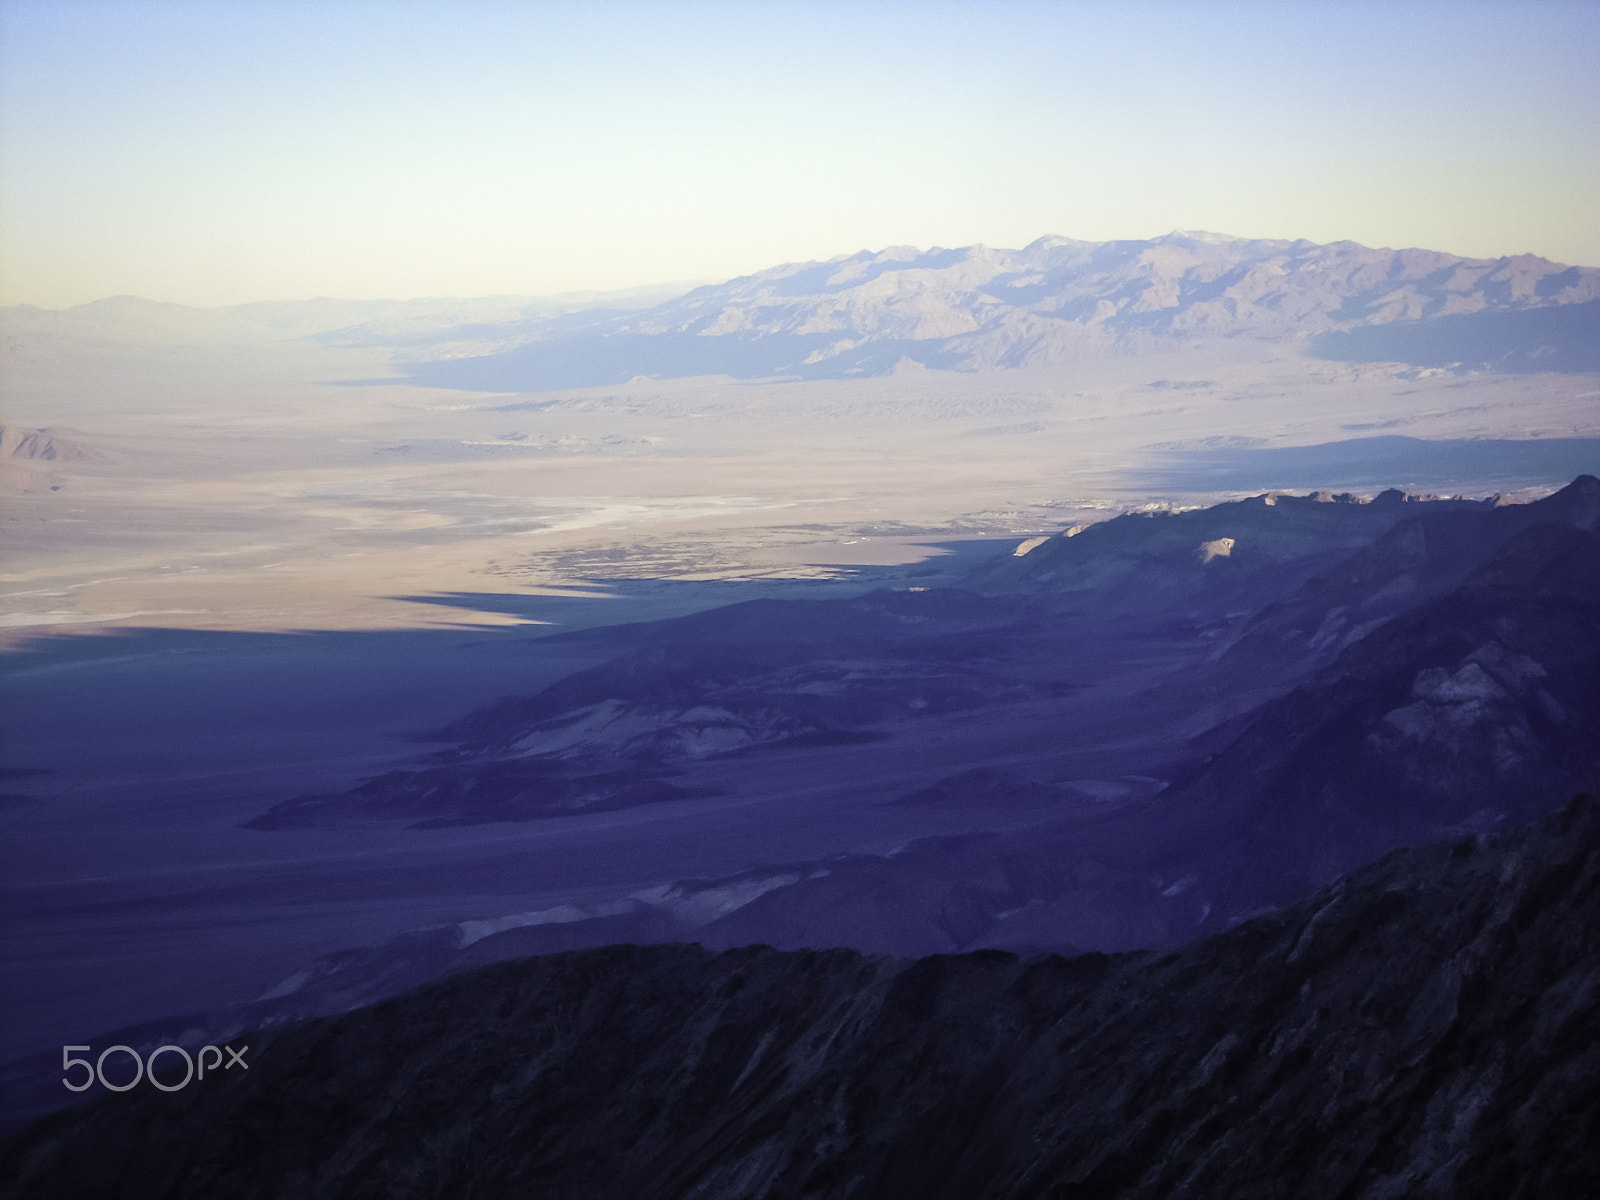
1055, 300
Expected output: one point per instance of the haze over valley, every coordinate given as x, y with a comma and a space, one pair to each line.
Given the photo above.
191, 460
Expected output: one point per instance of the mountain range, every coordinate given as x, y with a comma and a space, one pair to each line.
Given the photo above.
1056, 300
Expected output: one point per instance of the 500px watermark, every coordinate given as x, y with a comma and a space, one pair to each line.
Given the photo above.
193, 1067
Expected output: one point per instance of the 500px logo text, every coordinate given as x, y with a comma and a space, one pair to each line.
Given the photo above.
193, 1067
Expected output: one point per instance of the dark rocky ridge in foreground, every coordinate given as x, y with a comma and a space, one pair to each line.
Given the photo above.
1424, 1027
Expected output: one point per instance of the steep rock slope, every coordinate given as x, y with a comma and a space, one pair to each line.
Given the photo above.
1425, 1027
771, 673
1442, 718
1205, 557
1448, 711
1429, 550
1471, 712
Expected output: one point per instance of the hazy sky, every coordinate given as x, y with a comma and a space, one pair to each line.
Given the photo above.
220, 152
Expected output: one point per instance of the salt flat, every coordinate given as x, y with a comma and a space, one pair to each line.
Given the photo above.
256, 491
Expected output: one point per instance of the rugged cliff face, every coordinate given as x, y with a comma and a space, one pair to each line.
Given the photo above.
1424, 1027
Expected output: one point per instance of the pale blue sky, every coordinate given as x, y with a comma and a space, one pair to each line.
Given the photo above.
221, 152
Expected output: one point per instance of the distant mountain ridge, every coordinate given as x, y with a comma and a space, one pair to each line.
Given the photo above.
970, 308
133, 319
994, 307
1058, 300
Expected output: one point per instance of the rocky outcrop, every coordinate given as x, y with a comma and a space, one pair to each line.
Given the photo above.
1473, 709
1422, 1028
1427, 551
43, 445
1455, 716
1214, 556
1473, 712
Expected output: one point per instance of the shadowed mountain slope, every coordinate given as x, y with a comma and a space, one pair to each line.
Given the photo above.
1565, 338
1127, 751
1391, 716
1417, 559
1477, 710
1077, 811
1423, 1027
1150, 560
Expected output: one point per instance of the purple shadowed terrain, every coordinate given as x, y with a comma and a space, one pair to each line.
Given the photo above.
1128, 736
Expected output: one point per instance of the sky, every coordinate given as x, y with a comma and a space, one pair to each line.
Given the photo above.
283, 149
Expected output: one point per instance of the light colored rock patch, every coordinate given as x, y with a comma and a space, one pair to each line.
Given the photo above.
561, 914
701, 906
